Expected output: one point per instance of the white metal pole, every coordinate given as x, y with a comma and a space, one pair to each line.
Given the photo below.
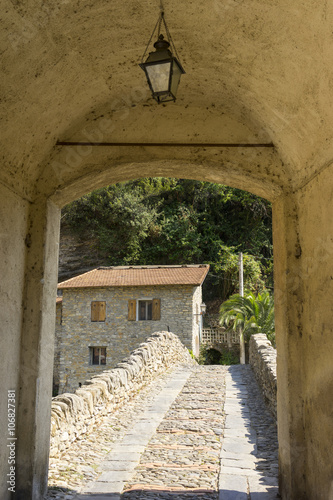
241, 293
241, 282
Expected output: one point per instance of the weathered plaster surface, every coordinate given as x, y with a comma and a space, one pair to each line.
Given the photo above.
316, 330
13, 215
36, 350
251, 73
304, 257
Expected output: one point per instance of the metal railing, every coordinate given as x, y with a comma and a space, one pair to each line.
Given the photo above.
212, 336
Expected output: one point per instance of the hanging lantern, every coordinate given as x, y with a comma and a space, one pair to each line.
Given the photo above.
203, 308
163, 70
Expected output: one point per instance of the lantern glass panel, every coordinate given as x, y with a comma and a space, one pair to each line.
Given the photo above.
159, 76
176, 74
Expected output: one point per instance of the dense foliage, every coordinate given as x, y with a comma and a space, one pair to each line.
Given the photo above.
178, 221
249, 314
210, 356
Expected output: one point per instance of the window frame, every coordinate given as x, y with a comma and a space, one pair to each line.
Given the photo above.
92, 355
148, 301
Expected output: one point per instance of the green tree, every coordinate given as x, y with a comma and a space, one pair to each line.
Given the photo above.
225, 272
249, 314
117, 218
179, 221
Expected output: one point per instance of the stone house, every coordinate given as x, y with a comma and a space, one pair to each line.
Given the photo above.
104, 314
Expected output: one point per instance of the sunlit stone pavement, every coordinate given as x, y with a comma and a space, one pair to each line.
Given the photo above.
199, 432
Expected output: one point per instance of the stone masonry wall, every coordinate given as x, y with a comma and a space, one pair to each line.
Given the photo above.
263, 361
120, 336
73, 414
196, 320
57, 342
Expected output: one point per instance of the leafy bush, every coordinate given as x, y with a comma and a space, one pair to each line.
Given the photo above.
191, 354
211, 356
229, 358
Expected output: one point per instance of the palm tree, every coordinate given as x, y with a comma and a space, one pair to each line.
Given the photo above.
250, 314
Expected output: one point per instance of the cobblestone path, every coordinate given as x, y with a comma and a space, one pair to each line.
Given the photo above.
196, 433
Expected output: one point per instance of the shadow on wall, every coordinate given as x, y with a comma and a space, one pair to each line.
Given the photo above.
173, 494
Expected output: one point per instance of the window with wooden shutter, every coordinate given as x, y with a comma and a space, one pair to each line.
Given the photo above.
131, 310
98, 310
156, 316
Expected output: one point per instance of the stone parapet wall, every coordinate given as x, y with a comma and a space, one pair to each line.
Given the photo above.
74, 414
262, 358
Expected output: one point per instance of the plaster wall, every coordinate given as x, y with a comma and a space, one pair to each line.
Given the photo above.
13, 216
303, 248
119, 335
290, 369
36, 349
316, 330
259, 62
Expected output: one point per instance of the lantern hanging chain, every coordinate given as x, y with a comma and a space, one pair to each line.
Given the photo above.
169, 36
151, 37
158, 25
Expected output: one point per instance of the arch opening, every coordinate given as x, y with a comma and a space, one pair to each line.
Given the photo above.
163, 221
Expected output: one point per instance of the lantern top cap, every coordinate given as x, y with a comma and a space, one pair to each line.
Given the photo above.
161, 44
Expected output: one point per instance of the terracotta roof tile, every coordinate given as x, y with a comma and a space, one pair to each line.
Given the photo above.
139, 276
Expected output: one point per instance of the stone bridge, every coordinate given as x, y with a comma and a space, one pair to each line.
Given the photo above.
160, 426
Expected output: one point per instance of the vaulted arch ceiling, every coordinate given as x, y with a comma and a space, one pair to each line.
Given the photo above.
256, 71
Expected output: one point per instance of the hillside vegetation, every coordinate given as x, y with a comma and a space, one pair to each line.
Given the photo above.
178, 221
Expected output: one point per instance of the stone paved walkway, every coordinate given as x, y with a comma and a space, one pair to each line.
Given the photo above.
196, 433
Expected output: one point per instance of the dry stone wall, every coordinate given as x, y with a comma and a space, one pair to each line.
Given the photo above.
74, 414
262, 357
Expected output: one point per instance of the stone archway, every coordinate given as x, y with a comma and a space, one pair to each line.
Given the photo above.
255, 73
42, 256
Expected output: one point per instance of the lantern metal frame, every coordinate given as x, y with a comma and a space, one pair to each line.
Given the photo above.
163, 55
203, 309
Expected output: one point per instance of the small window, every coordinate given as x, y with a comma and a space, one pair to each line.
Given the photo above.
98, 309
97, 355
145, 310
